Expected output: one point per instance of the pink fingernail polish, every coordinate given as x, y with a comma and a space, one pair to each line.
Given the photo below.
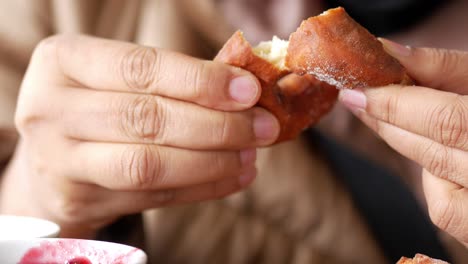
395, 49
266, 127
353, 99
243, 89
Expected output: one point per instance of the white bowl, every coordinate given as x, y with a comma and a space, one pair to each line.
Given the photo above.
58, 250
21, 227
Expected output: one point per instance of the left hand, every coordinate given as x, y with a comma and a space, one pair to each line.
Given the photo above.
428, 124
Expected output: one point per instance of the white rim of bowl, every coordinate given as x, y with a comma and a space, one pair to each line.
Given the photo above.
26, 227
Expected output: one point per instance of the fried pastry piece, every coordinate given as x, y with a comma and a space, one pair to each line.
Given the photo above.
337, 50
420, 259
297, 101
299, 77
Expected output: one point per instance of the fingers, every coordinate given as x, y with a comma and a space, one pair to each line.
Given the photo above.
81, 202
445, 162
133, 202
117, 66
148, 167
447, 205
438, 115
427, 126
435, 68
136, 118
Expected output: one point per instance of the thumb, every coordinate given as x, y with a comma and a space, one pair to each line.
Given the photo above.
435, 68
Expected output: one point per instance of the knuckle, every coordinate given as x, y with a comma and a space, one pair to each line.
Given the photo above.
224, 165
143, 118
448, 61
443, 213
31, 113
138, 68
437, 160
219, 164
442, 58
69, 203
222, 133
450, 122
47, 48
26, 121
70, 209
391, 107
32, 105
202, 77
141, 167
40, 166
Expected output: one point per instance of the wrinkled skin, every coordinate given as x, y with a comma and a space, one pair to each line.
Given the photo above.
135, 136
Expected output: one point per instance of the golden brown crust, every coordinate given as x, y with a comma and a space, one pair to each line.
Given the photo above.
237, 51
404, 260
420, 259
298, 102
330, 50
302, 102
337, 50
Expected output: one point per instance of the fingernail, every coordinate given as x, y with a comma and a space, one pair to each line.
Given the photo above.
248, 157
243, 89
395, 49
266, 127
353, 99
247, 177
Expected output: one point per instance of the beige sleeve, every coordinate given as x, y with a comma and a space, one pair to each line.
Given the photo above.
23, 24
295, 212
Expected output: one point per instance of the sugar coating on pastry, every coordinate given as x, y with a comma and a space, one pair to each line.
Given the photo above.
337, 50
299, 76
298, 102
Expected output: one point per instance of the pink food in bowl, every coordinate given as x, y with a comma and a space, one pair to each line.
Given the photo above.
75, 251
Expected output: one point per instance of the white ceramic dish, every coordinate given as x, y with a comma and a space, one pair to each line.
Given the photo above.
21, 227
77, 251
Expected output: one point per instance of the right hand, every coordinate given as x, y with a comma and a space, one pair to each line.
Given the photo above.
110, 128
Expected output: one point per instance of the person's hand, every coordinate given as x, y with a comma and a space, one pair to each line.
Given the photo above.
427, 123
110, 128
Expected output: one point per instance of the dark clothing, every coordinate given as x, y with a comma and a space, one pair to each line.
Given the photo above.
388, 16
399, 224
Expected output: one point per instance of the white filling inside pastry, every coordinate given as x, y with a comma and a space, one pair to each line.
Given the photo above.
273, 51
